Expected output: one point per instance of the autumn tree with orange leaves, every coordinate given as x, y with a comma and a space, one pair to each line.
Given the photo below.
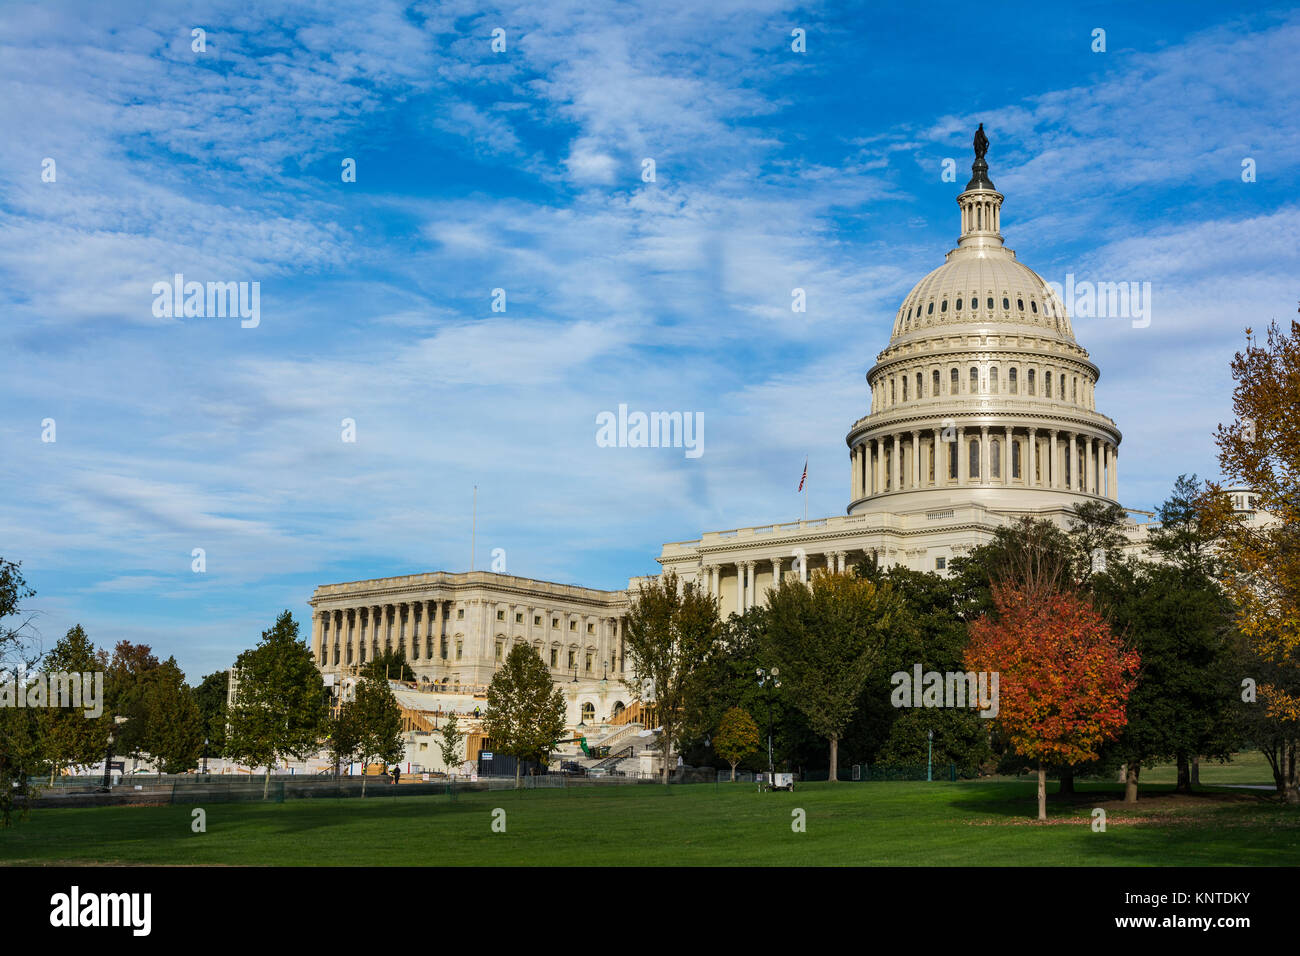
1261, 449
1064, 678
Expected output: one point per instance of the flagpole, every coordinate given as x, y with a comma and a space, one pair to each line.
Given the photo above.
473, 535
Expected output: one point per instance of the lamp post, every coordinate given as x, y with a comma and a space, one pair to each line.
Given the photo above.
767, 680
929, 759
205, 756
108, 758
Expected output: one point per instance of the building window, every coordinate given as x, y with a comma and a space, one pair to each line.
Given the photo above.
1020, 304
460, 650
591, 628
519, 618
973, 451
953, 383
993, 380
935, 384
995, 459
555, 656
974, 381
990, 303
1061, 380
893, 396
959, 305
1033, 305
904, 388
537, 620
952, 460
460, 614
940, 563
1006, 304
919, 382
442, 649
1031, 381
589, 713
555, 623
573, 625
930, 310
573, 657
943, 306
587, 662
1012, 385
498, 650
1015, 459
1047, 384
501, 615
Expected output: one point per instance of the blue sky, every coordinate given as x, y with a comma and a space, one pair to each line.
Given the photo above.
522, 170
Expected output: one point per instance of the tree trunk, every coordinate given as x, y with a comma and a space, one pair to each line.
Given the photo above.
1067, 780
733, 772
1042, 792
266, 787
835, 760
667, 750
1292, 792
1184, 775
363, 780
519, 769
1131, 782
1196, 771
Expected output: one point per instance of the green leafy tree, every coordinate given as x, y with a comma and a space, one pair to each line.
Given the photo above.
828, 637
737, 737
372, 724
672, 630
210, 696
452, 739
126, 683
1097, 538
389, 665
68, 736
525, 710
173, 725
961, 737
279, 708
20, 751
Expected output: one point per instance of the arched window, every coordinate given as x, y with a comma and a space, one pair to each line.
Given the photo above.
1031, 382
952, 460
618, 707
1061, 379
973, 454
1074, 389
1015, 458
1033, 305
995, 459
904, 388
892, 396
1011, 382
1006, 304
930, 310
990, 303
1020, 304
588, 713
993, 380
935, 383
943, 306
920, 381
959, 305
1047, 383
952, 385
974, 380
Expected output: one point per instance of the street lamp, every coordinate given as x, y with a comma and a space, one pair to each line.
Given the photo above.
929, 760
205, 756
767, 680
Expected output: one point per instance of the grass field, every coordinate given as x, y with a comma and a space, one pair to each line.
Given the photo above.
943, 824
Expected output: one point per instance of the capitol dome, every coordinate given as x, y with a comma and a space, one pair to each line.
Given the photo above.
983, 395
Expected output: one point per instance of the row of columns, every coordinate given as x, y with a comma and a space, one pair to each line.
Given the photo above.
1090, 464
746, 574
342, 636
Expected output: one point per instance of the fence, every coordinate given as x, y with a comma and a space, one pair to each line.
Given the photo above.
880, 772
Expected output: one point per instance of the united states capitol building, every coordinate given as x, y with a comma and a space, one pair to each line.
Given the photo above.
983, 410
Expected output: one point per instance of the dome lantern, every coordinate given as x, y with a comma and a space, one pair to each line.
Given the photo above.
981, 204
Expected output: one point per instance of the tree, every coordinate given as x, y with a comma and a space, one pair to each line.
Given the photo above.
737, 737
828, 636
1097, 538
210, 696
67, 735
126, 682
1261, 449
279, 708
20, 755
1064, 678
173, 726
672, 630
452, 738
372, 721
389, 664
525, 710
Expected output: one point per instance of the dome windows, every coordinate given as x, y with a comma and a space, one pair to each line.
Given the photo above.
930, 310
943, 306
1006, 304
1033, 306
1020, 304
959, 305
990, 303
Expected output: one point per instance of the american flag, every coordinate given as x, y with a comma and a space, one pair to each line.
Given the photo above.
805, 474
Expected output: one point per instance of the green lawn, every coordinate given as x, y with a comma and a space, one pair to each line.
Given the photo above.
965, 823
